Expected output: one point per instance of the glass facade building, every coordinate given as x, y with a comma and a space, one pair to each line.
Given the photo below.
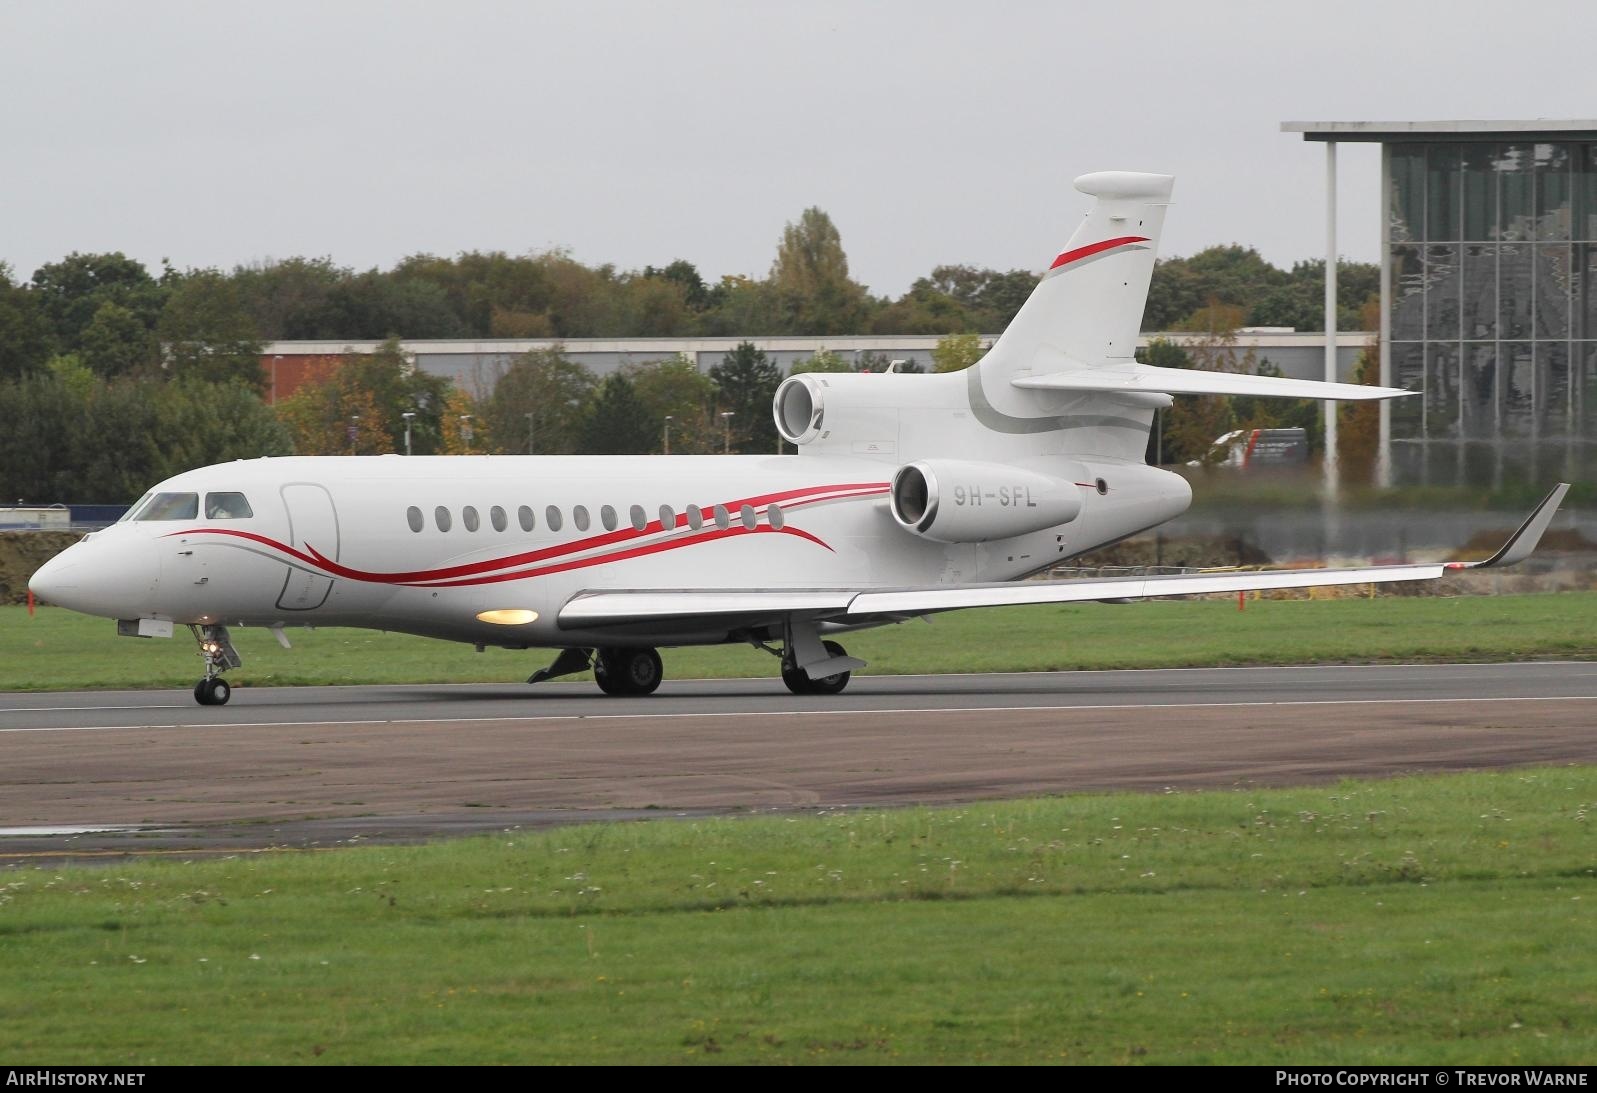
1488, 294
1491, 307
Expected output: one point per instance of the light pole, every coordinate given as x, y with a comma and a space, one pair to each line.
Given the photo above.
408, 415
354, 431
465, 431
726, 420
276, 360
529, 416
668, 419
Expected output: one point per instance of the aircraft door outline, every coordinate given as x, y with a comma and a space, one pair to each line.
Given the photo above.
313, 522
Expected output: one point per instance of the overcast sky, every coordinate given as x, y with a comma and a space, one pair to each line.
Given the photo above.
636, 133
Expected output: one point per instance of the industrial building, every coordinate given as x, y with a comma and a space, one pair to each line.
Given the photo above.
475, 364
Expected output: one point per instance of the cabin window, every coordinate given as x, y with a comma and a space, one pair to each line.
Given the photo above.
524, 515
668, 518
747, 515
551, 516
723, 519
579, 516
607, 517
774, 515
496, 516
441, 517
414, 518
469, 517
695, 517
171, 506
227, 506
640, 519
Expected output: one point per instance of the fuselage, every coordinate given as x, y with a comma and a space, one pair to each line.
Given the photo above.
486, 549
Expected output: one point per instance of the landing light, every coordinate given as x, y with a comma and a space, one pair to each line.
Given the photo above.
508, 616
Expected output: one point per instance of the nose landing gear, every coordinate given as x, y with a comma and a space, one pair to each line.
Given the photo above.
213, 692
217, 650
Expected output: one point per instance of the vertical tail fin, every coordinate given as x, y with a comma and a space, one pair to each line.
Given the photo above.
1088, 307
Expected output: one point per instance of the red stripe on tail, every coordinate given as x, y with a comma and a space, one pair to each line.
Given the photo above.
1095, 248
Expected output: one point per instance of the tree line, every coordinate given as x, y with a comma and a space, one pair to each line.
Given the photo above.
117, 318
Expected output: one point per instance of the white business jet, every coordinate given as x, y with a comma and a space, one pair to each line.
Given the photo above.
909, 495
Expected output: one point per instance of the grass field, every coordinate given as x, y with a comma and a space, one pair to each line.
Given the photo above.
58, 650
1423, 920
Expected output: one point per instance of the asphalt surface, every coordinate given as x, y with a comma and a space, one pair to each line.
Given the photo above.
316, 767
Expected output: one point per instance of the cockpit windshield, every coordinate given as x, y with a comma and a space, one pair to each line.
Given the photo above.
227, 506
169, 506
133, 509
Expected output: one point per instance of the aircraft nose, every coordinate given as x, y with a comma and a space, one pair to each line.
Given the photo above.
53, 577
111, 579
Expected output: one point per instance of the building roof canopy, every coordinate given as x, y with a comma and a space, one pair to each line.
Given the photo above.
1391, 131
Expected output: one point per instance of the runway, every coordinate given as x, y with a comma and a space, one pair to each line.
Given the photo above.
151, 772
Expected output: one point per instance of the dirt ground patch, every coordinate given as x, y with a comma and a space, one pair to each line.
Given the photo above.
22, 552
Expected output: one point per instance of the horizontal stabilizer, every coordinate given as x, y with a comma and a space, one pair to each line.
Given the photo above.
1150, 378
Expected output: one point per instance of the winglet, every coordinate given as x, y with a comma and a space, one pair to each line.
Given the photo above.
1523, 542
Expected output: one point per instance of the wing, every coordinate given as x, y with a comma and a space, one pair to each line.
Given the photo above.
741, 608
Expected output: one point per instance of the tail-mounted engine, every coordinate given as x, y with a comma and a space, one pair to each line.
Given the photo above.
954, 501
859, 413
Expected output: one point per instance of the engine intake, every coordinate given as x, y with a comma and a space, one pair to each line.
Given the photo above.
799, 408
955, 501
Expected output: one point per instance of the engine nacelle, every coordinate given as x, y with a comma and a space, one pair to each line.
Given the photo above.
861, 413
955, 501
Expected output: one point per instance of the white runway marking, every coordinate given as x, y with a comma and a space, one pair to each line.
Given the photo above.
811, 712
77, 709
98, 829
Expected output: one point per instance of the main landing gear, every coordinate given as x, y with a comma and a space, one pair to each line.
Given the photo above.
627, 672
217, 649
631, 672
810, 666
800, 683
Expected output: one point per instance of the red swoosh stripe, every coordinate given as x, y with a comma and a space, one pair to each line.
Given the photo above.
1095, 248
455, 576
595, 542
808, 495
622, 555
